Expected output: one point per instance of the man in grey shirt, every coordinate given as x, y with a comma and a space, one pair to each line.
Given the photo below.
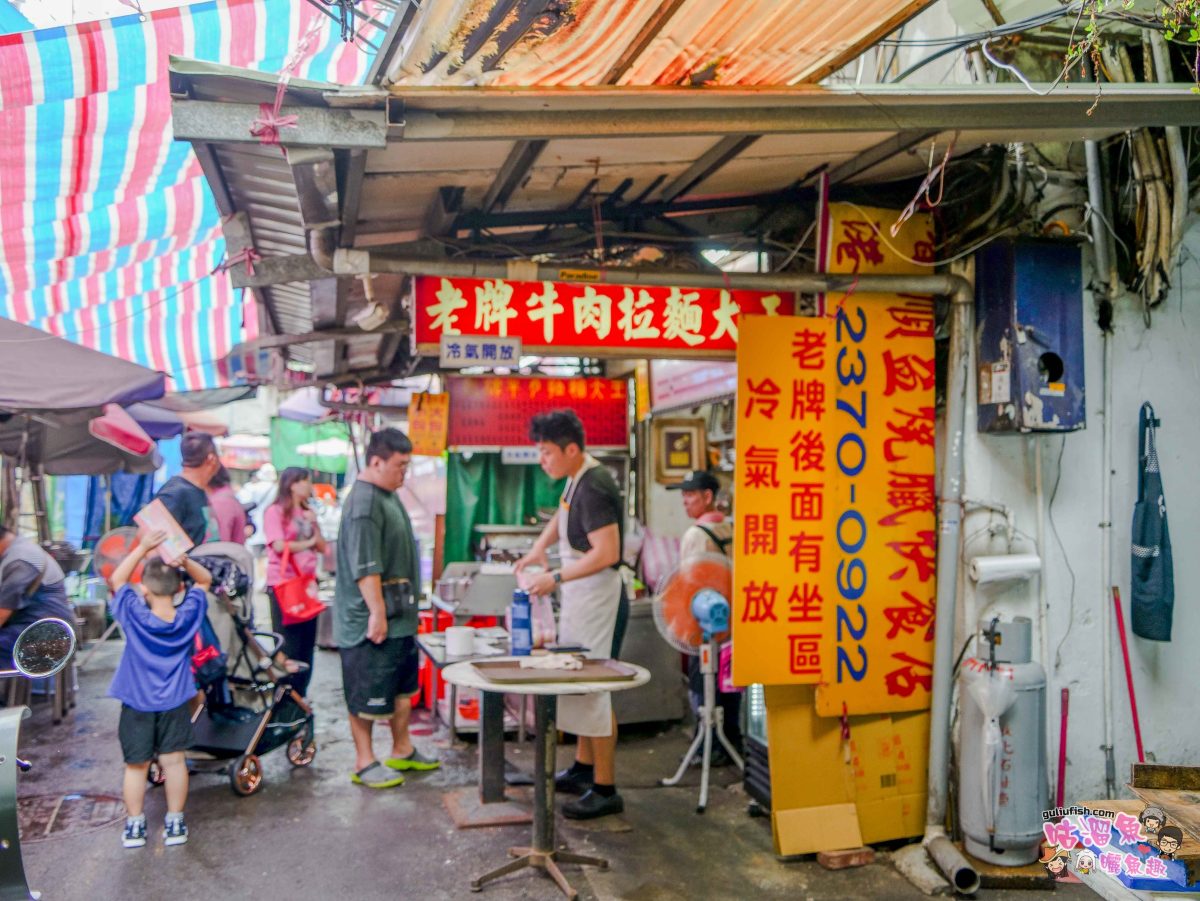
32, 586
375, 615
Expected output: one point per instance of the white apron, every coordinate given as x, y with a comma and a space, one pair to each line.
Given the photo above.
588, 617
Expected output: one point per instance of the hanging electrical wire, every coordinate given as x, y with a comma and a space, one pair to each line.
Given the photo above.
954, 43
344, 17
1155, 243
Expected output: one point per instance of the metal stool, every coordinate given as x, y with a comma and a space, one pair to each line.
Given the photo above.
62, 692
19, 692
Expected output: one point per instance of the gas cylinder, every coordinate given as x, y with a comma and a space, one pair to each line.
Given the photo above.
1002, 785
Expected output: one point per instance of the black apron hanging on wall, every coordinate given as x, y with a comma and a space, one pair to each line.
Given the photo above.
1152, 595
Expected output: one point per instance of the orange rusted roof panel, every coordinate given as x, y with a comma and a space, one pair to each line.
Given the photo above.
640, 42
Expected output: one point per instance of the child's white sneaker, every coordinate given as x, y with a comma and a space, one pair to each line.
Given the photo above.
175, 832
135, 832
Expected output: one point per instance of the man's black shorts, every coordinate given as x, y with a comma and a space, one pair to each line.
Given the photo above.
374, 675
145, 735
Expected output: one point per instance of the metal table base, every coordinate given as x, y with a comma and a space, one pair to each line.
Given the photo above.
543, 855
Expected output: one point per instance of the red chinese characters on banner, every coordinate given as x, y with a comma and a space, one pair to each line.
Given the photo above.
781, 561
495, 411
602, 318
883, 499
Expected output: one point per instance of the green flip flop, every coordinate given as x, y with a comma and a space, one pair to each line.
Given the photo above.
375, 776
414, 761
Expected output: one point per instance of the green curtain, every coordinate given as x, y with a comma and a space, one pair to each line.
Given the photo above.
483, 490
56, 502
287, 435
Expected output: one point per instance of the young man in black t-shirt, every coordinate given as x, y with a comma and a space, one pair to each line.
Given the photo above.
185, 496
587, 530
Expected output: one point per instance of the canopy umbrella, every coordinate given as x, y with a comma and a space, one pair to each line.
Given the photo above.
79, 379
157, 422
326, 447
205, 422
304, 405
164, 422
247, 452
71, 449
46, 411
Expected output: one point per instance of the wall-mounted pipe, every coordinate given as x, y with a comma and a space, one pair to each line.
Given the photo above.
360, 262
950, 861
1043, 606
1104, 284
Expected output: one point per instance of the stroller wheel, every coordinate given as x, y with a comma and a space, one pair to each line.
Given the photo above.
155, 775
301, 750
245, 775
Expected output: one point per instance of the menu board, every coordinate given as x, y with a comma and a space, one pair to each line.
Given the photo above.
599, 319
494, 411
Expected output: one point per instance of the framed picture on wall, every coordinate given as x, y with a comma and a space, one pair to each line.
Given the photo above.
679, 447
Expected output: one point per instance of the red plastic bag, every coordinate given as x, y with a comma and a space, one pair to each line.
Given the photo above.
297, 596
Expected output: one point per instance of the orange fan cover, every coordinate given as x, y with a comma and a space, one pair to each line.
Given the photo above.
708, 571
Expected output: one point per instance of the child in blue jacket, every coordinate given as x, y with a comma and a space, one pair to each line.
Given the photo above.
154, 680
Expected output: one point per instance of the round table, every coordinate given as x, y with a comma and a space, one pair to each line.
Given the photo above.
542, 854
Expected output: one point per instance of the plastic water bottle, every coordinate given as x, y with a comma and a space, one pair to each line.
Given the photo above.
522, 624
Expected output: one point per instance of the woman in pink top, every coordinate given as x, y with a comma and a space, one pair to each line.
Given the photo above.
288, 523
226, 508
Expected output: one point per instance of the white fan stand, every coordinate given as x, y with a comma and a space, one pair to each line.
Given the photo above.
711, 718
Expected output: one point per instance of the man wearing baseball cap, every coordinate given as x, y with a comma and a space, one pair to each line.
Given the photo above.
711, 533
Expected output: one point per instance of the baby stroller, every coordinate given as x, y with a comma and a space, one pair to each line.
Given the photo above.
250, 707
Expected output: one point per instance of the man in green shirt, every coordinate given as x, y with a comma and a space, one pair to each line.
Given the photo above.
375, 611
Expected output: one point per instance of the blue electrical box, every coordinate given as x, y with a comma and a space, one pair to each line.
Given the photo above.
1029, 333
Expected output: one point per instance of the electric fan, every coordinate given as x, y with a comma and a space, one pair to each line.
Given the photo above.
113, 547
691, 611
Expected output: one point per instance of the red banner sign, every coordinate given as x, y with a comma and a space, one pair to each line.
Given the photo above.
599, 319
495, 411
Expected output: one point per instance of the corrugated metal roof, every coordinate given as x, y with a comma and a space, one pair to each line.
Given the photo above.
639, 42
556, 171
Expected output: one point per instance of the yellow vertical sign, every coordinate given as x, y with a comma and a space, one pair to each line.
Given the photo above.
878, 645
781, 539
429, 423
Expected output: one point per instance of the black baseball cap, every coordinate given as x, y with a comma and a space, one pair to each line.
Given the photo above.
697, 480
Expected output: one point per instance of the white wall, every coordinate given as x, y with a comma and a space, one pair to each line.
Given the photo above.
1158, 364
664, 510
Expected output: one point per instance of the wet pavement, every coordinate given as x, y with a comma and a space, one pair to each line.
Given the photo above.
311, 834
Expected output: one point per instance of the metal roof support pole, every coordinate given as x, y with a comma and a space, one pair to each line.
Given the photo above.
949, 859
1105, 284
344, 261
229, 123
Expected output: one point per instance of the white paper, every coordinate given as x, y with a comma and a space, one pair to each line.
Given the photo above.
1005, 567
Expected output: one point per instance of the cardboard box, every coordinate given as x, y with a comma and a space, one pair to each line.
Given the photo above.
822, 797
802, 829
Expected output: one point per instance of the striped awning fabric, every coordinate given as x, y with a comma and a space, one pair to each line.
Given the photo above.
109, 236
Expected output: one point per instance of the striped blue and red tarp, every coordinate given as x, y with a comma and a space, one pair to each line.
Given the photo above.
108, 231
